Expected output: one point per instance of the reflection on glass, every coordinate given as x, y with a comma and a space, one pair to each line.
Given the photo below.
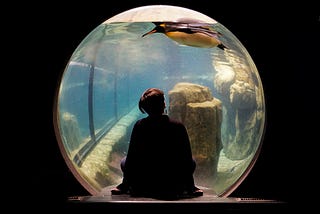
217, 93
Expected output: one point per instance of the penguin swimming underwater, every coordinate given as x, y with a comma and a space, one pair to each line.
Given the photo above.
190, 34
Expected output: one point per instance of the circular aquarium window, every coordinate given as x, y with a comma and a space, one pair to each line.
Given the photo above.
210, 81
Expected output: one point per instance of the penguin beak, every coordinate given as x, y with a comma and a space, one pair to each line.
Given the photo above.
150, 32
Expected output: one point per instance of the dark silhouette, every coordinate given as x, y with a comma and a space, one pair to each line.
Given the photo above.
159, 161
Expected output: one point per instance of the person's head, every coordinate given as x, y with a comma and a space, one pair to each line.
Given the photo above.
152, 102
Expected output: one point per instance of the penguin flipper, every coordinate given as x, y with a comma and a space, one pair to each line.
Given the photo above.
222, 46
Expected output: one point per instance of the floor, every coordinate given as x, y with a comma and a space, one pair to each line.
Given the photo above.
207, 202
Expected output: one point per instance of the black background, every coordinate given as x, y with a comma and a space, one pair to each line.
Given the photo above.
283, 41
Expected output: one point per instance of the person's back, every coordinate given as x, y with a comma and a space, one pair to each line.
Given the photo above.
161, 158
159, 161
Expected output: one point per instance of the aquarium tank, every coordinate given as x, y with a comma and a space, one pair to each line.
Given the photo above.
210, 81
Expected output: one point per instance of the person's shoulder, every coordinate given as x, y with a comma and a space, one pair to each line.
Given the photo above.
140, 121
175, 121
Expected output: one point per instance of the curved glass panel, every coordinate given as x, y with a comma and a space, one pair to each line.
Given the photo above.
215, 91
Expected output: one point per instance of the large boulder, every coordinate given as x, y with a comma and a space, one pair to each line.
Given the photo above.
201, 113
243, 107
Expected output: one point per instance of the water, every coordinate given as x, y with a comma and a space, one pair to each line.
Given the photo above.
114, 64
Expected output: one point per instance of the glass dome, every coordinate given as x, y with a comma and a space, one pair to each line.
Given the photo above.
211, 84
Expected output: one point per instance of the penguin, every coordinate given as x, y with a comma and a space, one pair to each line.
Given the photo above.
190, 34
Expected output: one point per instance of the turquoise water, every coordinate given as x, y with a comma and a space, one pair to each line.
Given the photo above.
114, 64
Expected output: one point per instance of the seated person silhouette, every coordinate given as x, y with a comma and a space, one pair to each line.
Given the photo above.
159, 162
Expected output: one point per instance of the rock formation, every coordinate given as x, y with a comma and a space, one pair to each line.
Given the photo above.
201, 113
243, 107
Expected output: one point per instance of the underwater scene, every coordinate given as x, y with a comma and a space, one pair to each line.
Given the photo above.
210, 84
